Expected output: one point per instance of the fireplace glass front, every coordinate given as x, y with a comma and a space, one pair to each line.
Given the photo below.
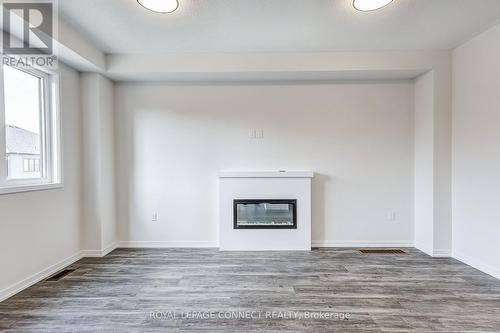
265, 214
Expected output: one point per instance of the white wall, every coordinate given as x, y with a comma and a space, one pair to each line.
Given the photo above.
107, 147
99, 223
358, 138
433, 222
442, 160
424, 163
476, 147
40, 229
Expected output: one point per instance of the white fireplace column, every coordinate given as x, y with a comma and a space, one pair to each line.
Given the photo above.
290, 185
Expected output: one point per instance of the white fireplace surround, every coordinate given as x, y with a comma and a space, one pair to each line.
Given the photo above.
265, 185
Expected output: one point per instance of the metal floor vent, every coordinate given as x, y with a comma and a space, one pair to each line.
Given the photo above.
382, 251
60, 275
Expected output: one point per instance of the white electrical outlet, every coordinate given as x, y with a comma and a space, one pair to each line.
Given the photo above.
256, 134
391, 216
155, 217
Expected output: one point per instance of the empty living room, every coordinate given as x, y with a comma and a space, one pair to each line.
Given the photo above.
250, 165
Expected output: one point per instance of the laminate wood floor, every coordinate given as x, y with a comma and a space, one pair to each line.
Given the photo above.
204, 290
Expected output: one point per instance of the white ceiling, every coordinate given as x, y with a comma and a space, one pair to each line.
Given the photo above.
123, 26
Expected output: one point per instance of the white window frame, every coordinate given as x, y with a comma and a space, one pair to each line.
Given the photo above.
51, 165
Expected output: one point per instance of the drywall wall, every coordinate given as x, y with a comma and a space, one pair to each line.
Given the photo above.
275, 66
99, 224
41, 229
424, 166
476, 146
433, 222
442, 160
107, 149
172, 140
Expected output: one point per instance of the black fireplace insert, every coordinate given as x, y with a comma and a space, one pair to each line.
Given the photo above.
265, 214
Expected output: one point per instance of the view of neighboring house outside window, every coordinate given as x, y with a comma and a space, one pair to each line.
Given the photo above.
23, 153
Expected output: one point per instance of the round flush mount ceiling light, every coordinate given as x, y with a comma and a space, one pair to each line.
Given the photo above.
160, 6
368, 5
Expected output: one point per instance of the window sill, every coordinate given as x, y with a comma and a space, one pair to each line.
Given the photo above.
30, 188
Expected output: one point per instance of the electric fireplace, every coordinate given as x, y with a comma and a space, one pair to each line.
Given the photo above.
265, 214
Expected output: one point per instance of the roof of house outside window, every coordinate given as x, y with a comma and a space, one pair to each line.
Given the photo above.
21, 141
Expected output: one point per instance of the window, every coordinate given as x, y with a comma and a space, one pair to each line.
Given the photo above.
30, 166
29, 129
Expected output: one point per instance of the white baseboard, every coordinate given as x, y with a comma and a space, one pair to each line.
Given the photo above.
167, 244
441, 253
37, 277
111, 247
424, 249
246, 249
435, 253
478, 264
45, 273
362, 243
100, 253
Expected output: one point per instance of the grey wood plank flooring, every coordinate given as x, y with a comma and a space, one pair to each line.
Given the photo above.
381, 293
